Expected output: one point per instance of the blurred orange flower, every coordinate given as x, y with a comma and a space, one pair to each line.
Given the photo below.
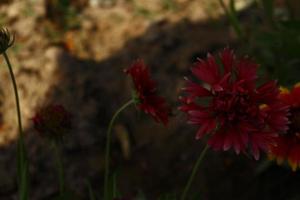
288, 145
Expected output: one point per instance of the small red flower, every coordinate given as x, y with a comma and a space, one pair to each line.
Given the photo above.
230, 108
288, 145
52, 121
145, 91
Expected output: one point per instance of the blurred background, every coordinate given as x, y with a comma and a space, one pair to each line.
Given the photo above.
73, 52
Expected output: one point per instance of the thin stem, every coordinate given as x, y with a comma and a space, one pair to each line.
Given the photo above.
60, 168
195, 169
12, 76
22, 160
232, 16
107, 149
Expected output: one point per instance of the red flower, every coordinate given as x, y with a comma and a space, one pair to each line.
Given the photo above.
146, 96
52, 121
230, 108
288, 145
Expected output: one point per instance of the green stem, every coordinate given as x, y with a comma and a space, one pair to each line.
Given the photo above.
195, 169
12, 76
60, 168
107, 149
22, 160
233, 19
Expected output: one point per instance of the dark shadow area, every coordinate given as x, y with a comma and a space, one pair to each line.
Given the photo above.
159, 159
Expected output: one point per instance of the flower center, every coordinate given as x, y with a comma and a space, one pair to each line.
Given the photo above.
233, 106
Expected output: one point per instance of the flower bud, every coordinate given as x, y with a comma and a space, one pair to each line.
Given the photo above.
6, 40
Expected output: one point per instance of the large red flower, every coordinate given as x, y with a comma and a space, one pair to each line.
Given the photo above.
230, 108
145, 91
288, 145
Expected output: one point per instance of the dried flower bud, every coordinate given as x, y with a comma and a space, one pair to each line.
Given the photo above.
6, 40
52, 121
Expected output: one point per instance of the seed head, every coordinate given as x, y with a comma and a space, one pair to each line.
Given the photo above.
6, 40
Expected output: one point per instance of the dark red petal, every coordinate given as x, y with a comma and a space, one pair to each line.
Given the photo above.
261, 141
216, 141
238, 143
188, 105
145, 89
255, 151
207, 71
196, 89
228, 140
156, 107
268, 92
198, 117
275, 115
233, 139
296, 94
206, 128
246, 70
294, 156
227, 58
287, 98
281, 146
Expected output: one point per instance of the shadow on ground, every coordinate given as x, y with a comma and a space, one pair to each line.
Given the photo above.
158, 159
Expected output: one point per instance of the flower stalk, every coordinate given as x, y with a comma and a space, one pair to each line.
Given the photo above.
60, 168
194, 172
233, 19
22, 160
146, 99
107, 148
54, 122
